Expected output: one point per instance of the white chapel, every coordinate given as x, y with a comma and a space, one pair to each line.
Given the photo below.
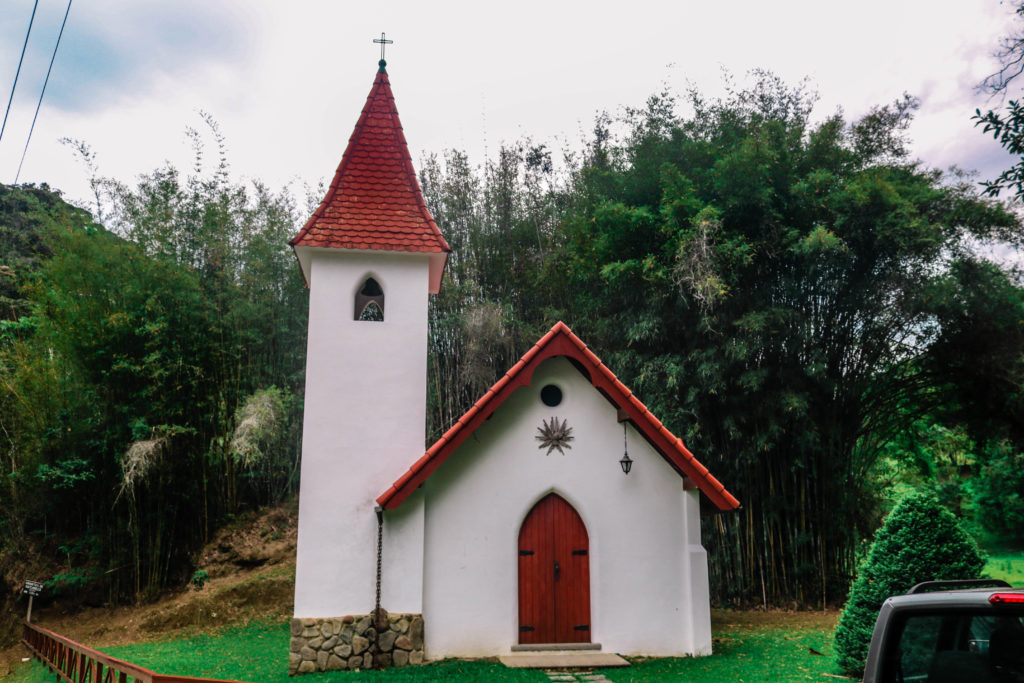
557, 513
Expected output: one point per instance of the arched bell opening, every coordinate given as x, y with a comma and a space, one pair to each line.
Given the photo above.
369, 304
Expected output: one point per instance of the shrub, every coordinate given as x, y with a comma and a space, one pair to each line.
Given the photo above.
199, 579
920, 540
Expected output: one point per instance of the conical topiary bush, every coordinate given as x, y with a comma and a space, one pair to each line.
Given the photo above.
919, 541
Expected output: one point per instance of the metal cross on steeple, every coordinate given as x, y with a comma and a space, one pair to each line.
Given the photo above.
382, 42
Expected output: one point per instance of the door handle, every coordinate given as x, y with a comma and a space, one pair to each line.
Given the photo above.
556, 571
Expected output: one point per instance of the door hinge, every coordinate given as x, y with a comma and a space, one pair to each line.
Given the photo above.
581, 627
523, 629
579, 552
526, 552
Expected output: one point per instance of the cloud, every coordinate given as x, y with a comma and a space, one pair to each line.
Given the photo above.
286, 81
111, 48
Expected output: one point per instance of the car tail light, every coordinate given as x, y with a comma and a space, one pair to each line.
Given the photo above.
1006, 598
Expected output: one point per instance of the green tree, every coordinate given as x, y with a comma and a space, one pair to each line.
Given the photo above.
135, 333
1007, 125
979, 350
998, 490
928, 456
765, 284
233, 237
919, 541
31, 387
25, 212
501, 221
134, 364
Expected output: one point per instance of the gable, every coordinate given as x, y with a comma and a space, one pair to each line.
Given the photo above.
560, 341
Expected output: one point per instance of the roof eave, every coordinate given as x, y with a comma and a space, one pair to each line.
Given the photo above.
438, 261
303, 256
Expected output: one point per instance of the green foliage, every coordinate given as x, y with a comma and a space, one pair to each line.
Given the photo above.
1006, 126
928, 456
979, 310
200, 578
64, 474
70, 582
26, 213
129, 353
919, 541
998, 492
767, 284
501, 221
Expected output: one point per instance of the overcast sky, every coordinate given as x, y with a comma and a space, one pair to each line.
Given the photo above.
286, 80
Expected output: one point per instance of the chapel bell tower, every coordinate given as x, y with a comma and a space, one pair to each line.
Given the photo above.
371, 254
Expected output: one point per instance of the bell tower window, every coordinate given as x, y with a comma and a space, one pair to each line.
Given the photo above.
370, 302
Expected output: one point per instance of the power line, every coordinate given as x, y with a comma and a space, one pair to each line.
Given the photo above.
18, 72
43, 92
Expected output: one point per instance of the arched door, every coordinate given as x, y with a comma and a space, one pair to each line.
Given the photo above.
554, 575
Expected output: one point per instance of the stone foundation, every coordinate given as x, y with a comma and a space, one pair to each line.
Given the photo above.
348, 642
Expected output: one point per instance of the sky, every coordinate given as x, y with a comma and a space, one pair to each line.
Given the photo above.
285, 81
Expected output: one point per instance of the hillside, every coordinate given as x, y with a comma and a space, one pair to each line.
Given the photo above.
251, 569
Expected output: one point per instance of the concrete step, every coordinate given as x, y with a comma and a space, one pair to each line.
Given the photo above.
556, 647
566, 659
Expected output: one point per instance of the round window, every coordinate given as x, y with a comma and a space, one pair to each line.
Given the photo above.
551, 395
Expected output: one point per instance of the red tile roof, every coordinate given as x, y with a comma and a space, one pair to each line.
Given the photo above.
560, 341
374, 201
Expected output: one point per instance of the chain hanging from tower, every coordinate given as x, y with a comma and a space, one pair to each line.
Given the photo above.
376, 603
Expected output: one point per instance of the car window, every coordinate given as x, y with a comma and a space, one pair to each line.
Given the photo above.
954, 648
917, 646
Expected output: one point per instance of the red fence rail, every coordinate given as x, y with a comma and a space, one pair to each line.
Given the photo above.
76, 663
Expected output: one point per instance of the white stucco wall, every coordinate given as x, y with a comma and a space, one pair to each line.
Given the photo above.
644, 531
364, 421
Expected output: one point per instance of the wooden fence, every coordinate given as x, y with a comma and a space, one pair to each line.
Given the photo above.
76, 663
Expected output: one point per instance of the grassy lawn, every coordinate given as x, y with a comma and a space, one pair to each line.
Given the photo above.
767, 647
748, 647
1008, 566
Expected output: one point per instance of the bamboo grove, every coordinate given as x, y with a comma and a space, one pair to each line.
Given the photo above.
152, 372
793, 295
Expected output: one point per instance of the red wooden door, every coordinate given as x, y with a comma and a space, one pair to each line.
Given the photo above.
554, 575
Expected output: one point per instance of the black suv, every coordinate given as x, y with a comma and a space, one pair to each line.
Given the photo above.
936, 635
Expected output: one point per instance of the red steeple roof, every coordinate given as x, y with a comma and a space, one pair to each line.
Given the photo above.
560, 341
374, 201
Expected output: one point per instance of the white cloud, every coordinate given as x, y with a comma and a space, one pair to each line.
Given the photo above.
286, 81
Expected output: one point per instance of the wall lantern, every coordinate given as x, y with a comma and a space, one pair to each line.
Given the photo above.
626, 462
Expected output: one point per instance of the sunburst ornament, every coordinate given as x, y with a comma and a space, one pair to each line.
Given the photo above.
554, 435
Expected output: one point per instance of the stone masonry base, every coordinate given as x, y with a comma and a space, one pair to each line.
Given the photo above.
348, 642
